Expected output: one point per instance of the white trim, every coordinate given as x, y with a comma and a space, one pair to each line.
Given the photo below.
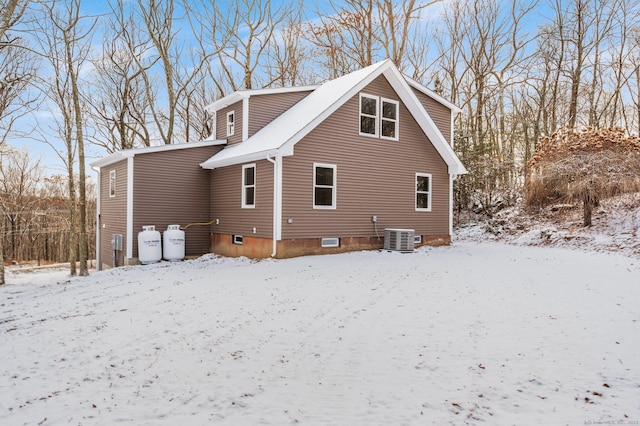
129, 254
237, 239
245, 119
376, 117
243, 94
451, 179
334, 186
126, 153
98, 221
433, 95
429, 192
230, 126
278, 198
245, 186
396, 120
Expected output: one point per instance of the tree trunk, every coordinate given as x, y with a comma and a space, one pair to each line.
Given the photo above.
589, 201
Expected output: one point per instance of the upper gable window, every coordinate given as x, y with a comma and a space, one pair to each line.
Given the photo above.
231, 123
389, 119
249, 186
368, 115
112, 183
378, 117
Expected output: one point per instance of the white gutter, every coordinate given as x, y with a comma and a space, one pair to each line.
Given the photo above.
129, 254
277, 200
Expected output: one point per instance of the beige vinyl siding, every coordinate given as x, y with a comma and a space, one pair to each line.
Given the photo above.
439, 113
113, 212
374, 177
226, 201
263, 109
221, 123
171, 188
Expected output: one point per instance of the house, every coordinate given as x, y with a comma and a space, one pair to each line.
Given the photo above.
293, 171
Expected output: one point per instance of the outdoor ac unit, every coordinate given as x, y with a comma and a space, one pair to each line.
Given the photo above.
398, 239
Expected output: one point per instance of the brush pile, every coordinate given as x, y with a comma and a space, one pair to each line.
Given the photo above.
583, 166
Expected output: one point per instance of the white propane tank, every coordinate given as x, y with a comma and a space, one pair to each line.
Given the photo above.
173, 243
149, 245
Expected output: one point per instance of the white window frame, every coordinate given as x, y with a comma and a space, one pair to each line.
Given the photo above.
376, 117
112, 184
393, 120
237, 239
334, 187
245, 186
231, 123
429, 192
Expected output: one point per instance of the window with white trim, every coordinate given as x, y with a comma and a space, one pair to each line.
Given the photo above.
231, 123
248, 186
389, 119
368, 115
378, 117
324, 186
112, 183
423, 192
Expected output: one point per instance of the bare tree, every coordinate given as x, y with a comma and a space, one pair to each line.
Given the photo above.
243, 32
11, 12
119, 99
65, 44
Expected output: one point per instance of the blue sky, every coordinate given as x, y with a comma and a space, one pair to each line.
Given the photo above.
47, 154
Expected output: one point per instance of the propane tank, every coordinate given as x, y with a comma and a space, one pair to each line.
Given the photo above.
149, 245
173, 243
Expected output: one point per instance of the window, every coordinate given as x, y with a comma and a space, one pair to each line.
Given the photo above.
368, 115
324, 186
237, 239
378, 117
423, 192
389, 120
231, 123
248, 186
112, 183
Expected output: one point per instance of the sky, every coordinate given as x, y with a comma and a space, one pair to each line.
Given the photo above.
47, 154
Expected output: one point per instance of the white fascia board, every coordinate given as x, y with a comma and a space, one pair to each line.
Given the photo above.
245, 119
433, 95
425, 121
127, 153
243, 158
242, 94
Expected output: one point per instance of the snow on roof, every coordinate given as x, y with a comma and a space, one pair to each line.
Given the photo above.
280, 136
243, 94
126, 153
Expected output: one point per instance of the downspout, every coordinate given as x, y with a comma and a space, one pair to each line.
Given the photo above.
277, 164
98, 224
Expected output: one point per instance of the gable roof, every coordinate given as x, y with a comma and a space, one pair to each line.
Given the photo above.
279, 137
244, 94
127, 153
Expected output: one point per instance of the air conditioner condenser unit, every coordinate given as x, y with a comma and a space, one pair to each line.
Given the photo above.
399, 239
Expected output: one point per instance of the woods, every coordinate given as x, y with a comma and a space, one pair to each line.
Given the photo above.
131, 74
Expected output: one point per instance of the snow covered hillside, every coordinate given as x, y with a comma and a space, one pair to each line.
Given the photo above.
616, 227
474, 333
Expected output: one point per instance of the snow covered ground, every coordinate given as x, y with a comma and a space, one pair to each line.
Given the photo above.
474, 333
